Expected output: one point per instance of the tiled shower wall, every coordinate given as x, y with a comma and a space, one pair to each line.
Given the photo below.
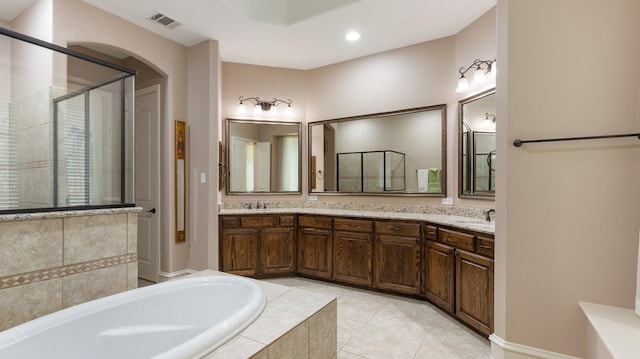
33, 125
56, 260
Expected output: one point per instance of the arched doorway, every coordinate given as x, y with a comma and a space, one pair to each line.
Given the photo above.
148, 85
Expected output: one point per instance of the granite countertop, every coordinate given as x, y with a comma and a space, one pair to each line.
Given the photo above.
65, 214
473, 224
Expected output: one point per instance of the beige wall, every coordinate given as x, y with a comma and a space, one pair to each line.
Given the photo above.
204, 107
569, 212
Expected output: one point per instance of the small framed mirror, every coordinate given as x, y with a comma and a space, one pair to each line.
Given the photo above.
263, 157
399, 153
477, 146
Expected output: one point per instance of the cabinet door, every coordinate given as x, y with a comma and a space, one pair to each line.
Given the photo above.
352, 257
315, 252
239, 251
276, 250
439, 279
397, 263
474, 291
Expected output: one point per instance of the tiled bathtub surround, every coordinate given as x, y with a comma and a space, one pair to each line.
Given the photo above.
294, 324
51, 261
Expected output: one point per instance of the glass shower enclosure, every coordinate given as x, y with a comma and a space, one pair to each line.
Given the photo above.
66, 128
371, 171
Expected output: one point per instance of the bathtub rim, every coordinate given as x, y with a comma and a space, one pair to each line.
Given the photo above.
195, 347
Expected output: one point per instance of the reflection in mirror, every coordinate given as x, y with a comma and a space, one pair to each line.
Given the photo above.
477, 145
263, 157
393, 153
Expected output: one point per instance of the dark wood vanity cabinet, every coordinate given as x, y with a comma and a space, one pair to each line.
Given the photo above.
315, 246
257, 245
453, 268
239, 251
353, 248
459, 276
474, 291
398, 256
439, 277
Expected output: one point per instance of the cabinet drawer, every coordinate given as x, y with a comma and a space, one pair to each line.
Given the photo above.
314, 222
286, 221
259, 221
431, 232
352, 225
485, 246
230, 222
457, 239
398, 228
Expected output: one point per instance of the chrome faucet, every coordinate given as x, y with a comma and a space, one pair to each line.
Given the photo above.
487, 214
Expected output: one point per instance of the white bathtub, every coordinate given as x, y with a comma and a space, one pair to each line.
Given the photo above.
185, 318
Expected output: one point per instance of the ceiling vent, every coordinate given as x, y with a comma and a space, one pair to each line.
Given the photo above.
164, 20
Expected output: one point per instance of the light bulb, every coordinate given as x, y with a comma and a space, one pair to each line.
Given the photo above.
241, 109
257, 109
479, 76
463, 85
288, 111
273, 110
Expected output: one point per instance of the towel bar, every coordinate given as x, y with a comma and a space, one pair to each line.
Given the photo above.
519, 142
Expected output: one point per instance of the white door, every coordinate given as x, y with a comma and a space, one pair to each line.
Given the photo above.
263, 167
147, 177
238, 159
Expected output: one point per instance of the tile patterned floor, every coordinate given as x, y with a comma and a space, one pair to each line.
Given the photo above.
374, 325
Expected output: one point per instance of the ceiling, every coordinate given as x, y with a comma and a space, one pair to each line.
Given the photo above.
299, 34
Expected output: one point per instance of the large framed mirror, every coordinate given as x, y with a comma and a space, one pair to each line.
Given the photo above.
263, 157
399, 153
477, 146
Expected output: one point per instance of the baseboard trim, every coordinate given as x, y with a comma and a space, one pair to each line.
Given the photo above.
165, 276
502, 349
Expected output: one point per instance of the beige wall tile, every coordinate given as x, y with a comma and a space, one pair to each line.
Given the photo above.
26, 302
83, 287
36, 182
271, 324
132, 275
30, 245
323, 332
262, 355
94, 237
293, 345
132, 232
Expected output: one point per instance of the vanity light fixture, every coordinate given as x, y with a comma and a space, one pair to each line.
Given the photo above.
264, 106
489, 117
484, 69
490, 121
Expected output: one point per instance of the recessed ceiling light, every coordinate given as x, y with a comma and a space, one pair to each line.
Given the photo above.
352, 36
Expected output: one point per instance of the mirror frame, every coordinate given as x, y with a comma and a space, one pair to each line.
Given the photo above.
443, 134
461, 103
227, 167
